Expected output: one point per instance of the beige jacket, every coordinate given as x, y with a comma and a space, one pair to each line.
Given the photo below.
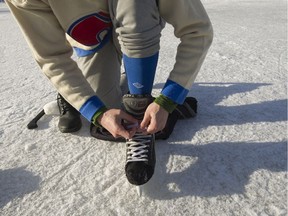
48, 24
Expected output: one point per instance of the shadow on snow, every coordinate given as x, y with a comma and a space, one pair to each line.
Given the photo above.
15, 183
217, 168
210, 113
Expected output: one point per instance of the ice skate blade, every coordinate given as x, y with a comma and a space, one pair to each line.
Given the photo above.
139, 190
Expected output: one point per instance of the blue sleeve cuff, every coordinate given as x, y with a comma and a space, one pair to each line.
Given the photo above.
90, 107
175, 92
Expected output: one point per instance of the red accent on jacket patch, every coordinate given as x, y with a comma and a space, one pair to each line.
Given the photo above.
91, 30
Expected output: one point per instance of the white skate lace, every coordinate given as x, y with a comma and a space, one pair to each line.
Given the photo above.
137, 148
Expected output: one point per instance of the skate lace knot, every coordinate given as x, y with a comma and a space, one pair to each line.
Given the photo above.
137, 148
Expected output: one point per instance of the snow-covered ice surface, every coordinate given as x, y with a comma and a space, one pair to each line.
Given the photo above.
229, 160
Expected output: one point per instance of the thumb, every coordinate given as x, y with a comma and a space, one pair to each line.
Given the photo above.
145, 122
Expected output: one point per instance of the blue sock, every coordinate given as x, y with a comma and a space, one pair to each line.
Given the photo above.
140, 73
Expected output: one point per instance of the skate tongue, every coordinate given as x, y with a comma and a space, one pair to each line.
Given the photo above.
136, 104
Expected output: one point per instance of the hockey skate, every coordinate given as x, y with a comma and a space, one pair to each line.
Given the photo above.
69, 120
140, 150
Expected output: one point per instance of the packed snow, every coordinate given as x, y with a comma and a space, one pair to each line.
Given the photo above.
229, 160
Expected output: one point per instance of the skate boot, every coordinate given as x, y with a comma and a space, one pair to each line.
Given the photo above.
69, 120
140, 150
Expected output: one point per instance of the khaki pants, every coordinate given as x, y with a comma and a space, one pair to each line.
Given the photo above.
138, 25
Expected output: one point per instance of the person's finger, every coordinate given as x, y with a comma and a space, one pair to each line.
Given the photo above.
145, 121
132, 132
153, 126
120, 131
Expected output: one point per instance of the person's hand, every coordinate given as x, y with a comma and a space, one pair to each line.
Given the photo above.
112, 121
155, 119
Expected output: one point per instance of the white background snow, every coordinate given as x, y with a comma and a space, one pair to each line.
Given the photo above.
229, 160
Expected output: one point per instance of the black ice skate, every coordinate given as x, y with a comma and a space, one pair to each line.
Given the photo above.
69, 120
140, 150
